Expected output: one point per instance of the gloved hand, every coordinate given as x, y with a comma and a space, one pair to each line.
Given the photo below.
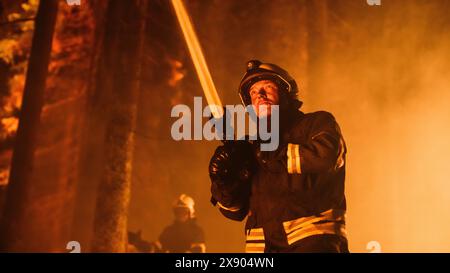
233, 161
230, 170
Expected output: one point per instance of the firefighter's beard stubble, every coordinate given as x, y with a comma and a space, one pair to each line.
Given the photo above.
237, 123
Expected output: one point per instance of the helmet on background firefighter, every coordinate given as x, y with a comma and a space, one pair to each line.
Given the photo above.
258, 71
185, 202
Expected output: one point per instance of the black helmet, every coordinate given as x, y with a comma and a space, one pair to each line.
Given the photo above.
257, 71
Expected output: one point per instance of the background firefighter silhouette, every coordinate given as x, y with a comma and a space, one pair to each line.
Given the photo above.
184, 235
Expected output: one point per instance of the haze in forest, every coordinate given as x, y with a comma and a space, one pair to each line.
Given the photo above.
383, 71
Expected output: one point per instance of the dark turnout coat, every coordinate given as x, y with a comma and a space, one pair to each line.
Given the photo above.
182, 237
296, 191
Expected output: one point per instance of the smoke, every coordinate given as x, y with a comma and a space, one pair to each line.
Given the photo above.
387, 82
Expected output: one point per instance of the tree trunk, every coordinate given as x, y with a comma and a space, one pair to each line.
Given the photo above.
14, 220
119, 75
92, 141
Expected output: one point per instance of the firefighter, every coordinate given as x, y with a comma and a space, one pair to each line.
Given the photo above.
184, 234
293, 197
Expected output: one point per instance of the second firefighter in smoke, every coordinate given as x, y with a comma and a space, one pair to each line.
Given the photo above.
293, 197
184, 234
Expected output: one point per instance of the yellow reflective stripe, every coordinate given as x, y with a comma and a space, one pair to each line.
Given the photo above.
331, 215
317, 229
303, 221
340, 160
307, 226
301, 224
256, 230
255, 234
293, 158
254, 247
233, 209
255, 237
289, 158
202, 246
297, 159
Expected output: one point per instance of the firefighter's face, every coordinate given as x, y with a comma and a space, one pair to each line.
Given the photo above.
264, 94
181, 214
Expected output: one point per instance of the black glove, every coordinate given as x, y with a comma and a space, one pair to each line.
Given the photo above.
233, 161
230, 170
